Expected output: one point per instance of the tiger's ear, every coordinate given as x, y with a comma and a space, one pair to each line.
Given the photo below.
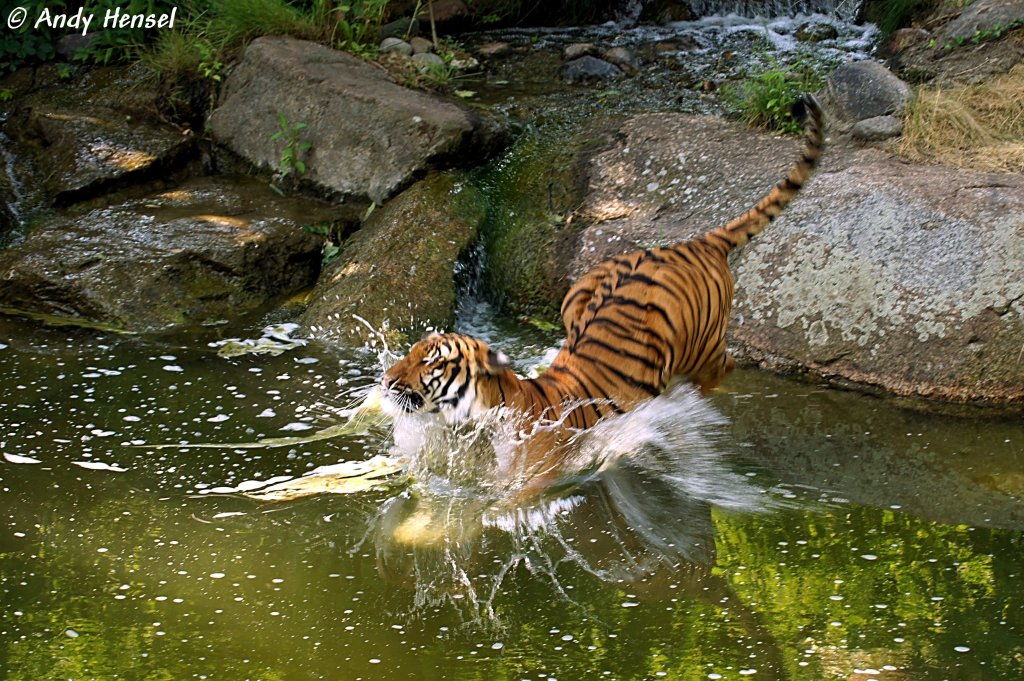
496, 361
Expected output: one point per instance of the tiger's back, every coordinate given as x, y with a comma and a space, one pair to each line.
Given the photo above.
637, 320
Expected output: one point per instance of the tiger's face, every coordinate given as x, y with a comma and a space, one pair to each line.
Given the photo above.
441, 373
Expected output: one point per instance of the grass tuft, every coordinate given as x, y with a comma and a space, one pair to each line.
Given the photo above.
969, 126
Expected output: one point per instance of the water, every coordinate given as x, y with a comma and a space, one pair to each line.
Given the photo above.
814, 531
847, 10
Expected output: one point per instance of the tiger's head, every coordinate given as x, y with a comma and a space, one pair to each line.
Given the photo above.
443, 373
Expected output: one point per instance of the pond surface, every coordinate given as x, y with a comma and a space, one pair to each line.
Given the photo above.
818, 535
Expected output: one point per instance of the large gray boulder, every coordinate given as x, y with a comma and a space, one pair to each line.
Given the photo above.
397, 275
211, 250
907, 279
860, 90
368, 136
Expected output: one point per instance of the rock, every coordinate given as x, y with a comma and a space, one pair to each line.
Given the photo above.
666, 11
816, 32
883, 275
449, 15
427, 60
536, 184
621, 57
400, 28
577, 50
497, 49
86, 138
588, 70
71, 44
899, 40
211, 250
397, 271
972, 47
981, 18
902, 278
864, 89
396, 45
421, 45
368, 136
877, 129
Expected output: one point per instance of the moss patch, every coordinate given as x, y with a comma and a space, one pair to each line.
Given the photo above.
532, 192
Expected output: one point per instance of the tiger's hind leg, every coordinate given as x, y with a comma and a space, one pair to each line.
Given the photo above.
715, 370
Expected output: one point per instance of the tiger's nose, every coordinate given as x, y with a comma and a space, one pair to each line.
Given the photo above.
386, 381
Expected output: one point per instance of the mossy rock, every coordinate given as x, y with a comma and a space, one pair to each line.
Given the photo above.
398, 271
532, 192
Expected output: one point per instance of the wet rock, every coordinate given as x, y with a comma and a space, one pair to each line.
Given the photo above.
623, 58
213, 249
888, 276
877, 129
87, 138
396, 45
533, 189
864, 89
666, 11
577, 50
815, 32
369, 137
397, 272
589, 70
498, 49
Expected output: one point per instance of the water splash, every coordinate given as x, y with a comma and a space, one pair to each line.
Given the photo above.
634, 495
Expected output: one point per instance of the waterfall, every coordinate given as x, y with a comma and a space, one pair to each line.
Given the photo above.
846, 10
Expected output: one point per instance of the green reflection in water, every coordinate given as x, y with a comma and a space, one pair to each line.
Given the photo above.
897, 549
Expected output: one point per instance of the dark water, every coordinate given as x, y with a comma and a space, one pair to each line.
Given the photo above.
888, 544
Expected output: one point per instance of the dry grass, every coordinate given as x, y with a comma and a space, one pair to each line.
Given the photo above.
970, 126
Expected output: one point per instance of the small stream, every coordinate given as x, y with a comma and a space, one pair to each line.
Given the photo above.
779, 529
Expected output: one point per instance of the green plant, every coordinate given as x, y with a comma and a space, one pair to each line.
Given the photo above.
357, 24
121, 44
334, 242
209, 66
767, 99
6, 95
290, 162
28, 45
891, 15
233, 23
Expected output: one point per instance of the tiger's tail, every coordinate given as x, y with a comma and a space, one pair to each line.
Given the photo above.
739, 231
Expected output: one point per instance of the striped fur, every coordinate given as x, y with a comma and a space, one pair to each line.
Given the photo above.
633, 322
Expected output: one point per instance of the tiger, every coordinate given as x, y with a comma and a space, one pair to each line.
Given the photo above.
633, 324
